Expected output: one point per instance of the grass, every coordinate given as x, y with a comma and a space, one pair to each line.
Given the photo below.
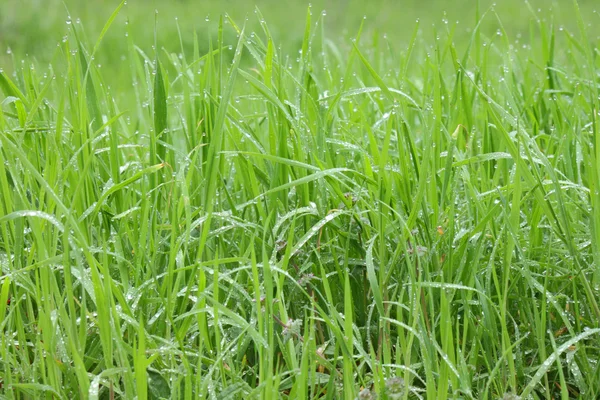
229, 218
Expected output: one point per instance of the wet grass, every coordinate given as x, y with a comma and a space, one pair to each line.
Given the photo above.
347, 219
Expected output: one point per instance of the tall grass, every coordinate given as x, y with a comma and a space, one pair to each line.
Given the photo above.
342, 220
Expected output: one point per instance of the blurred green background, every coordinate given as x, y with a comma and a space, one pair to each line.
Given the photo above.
34, 27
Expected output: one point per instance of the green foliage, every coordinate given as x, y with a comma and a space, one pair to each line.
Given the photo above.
336, 217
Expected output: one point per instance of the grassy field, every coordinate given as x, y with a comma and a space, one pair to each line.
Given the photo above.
300, 205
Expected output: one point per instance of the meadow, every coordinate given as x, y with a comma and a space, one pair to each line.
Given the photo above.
348, 200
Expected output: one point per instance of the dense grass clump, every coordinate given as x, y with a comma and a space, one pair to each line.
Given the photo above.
348, 219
